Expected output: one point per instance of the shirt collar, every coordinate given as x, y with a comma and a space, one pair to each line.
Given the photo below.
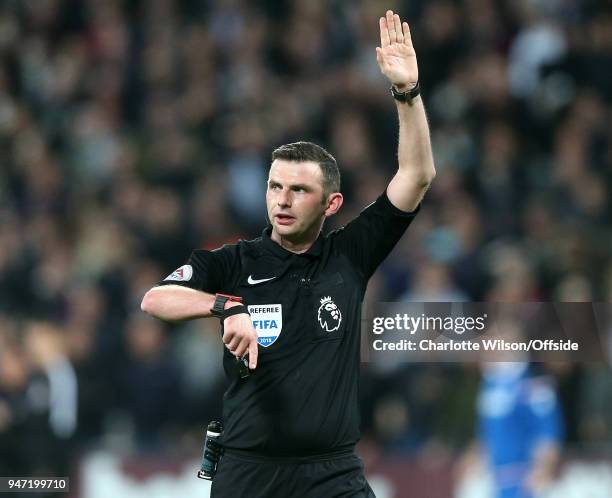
315, 250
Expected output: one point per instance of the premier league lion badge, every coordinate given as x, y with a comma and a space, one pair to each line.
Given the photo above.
329, 315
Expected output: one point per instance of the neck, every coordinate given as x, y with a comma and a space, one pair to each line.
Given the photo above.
297, 246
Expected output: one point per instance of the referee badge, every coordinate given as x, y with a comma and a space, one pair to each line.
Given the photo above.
182, 274
268, 322
329, 315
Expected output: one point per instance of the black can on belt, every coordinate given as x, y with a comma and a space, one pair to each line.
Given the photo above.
212, 451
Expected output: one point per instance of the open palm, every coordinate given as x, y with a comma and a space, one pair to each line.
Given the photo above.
396, 56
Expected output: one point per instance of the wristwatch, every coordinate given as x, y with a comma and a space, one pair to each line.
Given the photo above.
218, 310
407, 96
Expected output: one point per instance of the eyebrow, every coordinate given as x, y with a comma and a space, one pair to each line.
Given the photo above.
292, 185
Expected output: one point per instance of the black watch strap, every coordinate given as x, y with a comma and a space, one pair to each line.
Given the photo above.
219, 305
235, 310
408, 96
218, 310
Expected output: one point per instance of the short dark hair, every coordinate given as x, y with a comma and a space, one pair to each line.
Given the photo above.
308, 151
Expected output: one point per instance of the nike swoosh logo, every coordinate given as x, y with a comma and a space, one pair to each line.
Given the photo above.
252, 281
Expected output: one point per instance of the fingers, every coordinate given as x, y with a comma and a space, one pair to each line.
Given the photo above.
398, 28
232, 340
241, 348
384, 33
233, 343
242, 340
239, 345
253, 352
393, 30
380, 58
391, 27
407, 37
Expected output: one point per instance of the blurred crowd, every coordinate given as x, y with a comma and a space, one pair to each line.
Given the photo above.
132, 132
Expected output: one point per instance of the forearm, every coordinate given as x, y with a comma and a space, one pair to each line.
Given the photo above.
177, 303
416, 168
415, 158
544, 467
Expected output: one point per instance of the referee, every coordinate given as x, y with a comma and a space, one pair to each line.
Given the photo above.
290, 302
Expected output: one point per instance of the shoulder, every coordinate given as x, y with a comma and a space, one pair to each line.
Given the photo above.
230, 249
222, 256
240, 251
539, 394
251, 247
381, 212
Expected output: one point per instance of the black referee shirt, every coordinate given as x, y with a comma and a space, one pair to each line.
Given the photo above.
303, 397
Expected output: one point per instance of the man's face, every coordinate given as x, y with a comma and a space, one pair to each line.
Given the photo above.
295, 199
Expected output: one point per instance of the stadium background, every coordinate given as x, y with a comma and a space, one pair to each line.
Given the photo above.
134, 131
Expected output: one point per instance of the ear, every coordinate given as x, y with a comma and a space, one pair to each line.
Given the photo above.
334, 203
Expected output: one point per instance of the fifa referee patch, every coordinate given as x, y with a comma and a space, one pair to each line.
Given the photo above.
268, 322
182, 274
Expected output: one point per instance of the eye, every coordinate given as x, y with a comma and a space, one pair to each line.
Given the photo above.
275, 187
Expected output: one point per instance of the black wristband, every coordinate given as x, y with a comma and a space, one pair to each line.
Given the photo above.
218, 308
408, 96
234, 310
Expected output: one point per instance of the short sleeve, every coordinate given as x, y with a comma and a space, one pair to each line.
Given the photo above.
207, 271
368, 239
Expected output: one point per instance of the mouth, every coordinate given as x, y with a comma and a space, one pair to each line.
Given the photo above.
284, 219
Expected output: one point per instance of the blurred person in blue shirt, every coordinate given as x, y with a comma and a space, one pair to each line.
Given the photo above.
520, 427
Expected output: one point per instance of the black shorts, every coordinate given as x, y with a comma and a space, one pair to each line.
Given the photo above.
241, 475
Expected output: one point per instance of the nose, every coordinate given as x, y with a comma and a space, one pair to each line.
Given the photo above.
284, 198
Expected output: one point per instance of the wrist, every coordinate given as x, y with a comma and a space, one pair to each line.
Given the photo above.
405, 87
232, 304
238, 309
409, 104
223, 305
404, 94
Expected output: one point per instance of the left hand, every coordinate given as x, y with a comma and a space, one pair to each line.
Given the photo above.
396, 56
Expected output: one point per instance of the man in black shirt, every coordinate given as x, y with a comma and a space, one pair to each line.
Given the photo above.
290, 303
